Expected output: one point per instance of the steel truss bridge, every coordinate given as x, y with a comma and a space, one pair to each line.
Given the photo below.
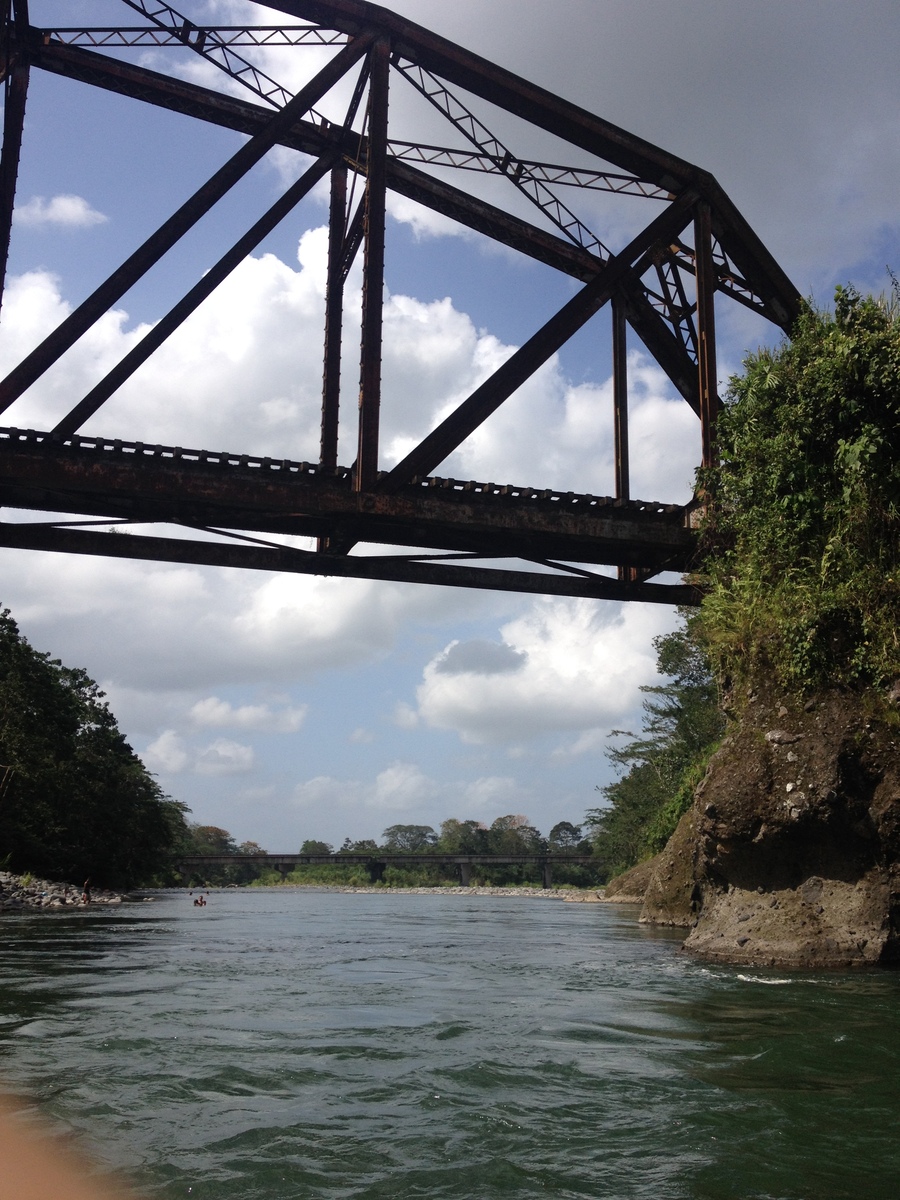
692, 250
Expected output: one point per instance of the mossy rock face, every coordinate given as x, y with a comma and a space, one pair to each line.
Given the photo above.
630, 886
790, 855
671, 896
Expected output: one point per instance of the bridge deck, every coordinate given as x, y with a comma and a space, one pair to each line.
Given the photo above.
689, 249
240, 494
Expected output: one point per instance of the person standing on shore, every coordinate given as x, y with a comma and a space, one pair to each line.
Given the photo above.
86, 892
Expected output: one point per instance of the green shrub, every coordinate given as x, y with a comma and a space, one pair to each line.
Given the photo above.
803, 534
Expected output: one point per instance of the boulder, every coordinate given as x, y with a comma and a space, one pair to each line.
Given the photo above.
790, 854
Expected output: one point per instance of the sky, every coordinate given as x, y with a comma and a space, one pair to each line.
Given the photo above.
286, 708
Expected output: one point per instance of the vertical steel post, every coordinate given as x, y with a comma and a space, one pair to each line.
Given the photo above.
620, 399
373, 270
620, 411
706, 331
15, 90
334, 310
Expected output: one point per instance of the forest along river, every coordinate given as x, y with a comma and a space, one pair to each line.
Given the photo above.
283, 1044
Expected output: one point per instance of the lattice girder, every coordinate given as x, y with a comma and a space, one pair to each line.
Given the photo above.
693, 246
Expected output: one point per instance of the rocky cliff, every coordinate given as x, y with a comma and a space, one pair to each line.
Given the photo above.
790, 855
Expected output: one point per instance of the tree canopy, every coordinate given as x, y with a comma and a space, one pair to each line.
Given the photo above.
659, 768
78, 801
803, 532
409, 839
801, 544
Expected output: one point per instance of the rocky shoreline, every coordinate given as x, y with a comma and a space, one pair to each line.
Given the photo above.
20, 893
589, 895
790, 854
23, 892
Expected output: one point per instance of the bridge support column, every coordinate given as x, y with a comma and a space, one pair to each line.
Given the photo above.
465, 874
334, 308
373, 269
376, 870
620, 412
546, 875
706, 332
620, 398
16, 75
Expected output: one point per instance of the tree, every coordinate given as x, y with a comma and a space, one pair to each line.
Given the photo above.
513, 835
79, 800
251, 848
683, 722
564, 836
803, 535
363, 846
210, 839
463, 837
409, 839
314, 847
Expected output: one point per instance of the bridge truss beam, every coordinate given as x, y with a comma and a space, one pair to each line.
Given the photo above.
694, 249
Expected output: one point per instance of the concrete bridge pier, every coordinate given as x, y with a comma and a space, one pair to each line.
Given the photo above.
465, 874
376, 870
546, 874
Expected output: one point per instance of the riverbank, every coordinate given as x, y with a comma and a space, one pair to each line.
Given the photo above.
588, 896
19, 892
25, 892
572, 895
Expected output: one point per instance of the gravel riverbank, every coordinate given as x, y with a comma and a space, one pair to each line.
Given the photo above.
510, 893
19, 892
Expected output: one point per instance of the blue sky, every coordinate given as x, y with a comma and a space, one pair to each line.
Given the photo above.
287, 708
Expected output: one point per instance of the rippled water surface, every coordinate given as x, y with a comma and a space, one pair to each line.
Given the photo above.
293, 1044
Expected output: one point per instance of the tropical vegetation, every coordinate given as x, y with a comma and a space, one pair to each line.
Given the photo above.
803, 529
508, 835
660, 767
800, 562
75, 800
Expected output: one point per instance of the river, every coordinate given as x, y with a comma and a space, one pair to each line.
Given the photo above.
293, 1044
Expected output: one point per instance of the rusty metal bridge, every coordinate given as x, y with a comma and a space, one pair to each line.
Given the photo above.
404, 521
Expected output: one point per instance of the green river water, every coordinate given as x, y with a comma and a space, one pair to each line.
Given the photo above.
290, 1044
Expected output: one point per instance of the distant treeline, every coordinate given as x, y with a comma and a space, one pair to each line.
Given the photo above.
507, 835
77, 802
657, 771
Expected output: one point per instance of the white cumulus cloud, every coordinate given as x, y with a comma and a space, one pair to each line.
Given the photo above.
166, 754
217, 713
72, 212
171, 754
578, 666
404, 786
224, 757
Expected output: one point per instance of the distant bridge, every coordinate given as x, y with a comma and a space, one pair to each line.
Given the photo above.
375, 862
689, 249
